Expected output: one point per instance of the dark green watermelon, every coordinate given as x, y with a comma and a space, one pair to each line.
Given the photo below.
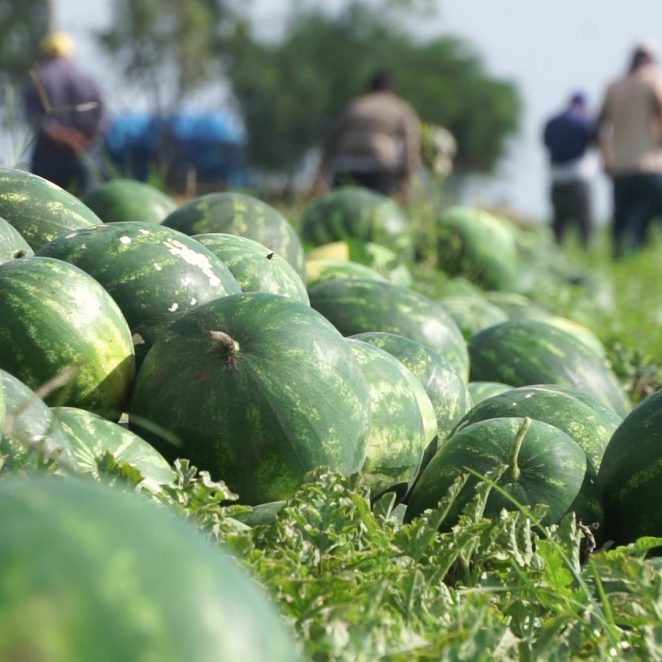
480, 391
321, 270
355, 306
441, 380
154, 273
12, 244
260, 389
380, 259
92, 573
40, 210
129, 200
92, 436
255, 267
352, 212
245, 215
631, 474
544, 466
55, 316
397, 436
30, 433
522, 352
472, 313
589, 422
477, 245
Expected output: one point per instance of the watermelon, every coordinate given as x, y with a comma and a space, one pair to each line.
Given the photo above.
39, 209
154, 273
398, 433
55, 316
477, 245
379, 258
544, 466
631, 472
355, 306
589, 422
480, 391
245, 215
129, 200
320, 270
522, 352
472, 313
12, 244
30, 433
260, 389
352, 212
441, 380
517, 306
91, 437
254, 266
92, 573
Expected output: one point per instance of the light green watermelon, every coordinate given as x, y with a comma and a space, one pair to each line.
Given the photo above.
92, 573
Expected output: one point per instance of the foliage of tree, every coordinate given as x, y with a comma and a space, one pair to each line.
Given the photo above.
170, 48
22, 25
290, 91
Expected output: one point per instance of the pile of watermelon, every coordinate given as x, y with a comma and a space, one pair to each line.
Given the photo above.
215, 332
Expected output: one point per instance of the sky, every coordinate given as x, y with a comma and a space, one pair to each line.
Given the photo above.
549, 48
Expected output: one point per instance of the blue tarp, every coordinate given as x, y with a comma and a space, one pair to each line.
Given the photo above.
210, 143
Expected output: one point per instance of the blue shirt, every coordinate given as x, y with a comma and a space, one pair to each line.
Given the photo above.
568, 135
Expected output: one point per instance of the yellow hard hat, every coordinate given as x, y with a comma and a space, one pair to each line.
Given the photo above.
57, 43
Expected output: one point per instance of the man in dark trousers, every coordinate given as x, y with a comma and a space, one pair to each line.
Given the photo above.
630, 134
568, 138
374, 143
65, 108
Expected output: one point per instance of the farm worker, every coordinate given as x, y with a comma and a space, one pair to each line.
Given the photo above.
569, 137
374, 143
630, 139
65, 108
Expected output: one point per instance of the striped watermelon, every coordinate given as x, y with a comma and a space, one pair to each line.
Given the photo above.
472, 313
154, 273
441, 380
30, 433
477, 245
522, 352
589, 422
129, 200
321, 270
12, 244
55, 316
379, 258
631, 473
245, 215
92, 573
260, 389
480, 391
40, 210
91, 437
544, 466
255, 267
355, 306
352, 212
400, 428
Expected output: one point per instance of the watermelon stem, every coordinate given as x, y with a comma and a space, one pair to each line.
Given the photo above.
229, 346
513, 471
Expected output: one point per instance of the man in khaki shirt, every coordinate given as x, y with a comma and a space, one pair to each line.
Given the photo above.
374, 143
630, 139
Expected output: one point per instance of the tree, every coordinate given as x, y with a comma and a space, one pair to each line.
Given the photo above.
22, 26
170, 48
290, 91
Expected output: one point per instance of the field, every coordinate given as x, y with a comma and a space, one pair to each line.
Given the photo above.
353, 574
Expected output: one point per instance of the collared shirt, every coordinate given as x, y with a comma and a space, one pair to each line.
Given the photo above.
631, 108
377, 131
